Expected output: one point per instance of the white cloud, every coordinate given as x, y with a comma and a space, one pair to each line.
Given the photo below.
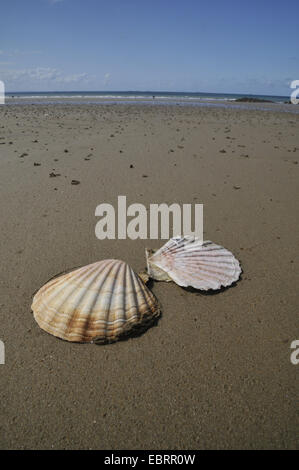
38, 76
18, 52
79, 77
38, 73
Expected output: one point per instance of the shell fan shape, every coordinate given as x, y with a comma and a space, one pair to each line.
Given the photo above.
190, 262
101, 303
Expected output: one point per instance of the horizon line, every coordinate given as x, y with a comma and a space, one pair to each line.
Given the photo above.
143, 91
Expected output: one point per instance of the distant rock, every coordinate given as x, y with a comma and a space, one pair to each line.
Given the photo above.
247, 99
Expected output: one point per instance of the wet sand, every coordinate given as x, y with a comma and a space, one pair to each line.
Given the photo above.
215, 372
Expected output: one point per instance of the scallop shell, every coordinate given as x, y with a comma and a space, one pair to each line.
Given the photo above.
190, 262
101, 303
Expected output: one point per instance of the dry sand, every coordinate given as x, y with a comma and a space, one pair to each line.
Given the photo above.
215, 372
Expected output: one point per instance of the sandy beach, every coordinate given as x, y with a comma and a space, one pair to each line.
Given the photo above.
215, 372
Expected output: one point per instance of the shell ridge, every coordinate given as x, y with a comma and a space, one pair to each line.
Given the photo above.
60, 288
61, 315
54, 283
82, 325
147, 294
107, 301
39, 301
86, 326
214, 264
133, 294
212, 268
118, 270
55, 311
149, 299
185, 248
171, 247
190, 262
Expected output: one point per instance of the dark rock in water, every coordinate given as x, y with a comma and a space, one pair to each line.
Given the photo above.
53, 175
36, 164
246, 99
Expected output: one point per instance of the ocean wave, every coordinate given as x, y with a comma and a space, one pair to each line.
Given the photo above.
117, 97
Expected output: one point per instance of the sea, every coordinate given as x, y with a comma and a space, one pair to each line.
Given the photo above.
145, 97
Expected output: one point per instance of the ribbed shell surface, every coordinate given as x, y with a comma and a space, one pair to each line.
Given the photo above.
100, 302
190, 262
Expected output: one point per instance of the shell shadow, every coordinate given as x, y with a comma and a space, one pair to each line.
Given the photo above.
136, 332
192, 290
139, 329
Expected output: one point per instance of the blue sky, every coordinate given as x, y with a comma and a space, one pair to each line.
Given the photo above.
170, 45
